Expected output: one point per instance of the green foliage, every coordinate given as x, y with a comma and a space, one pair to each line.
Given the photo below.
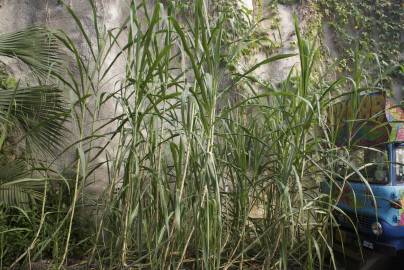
31, 117
16, 231
35, 46
187, 172
186, 157
37, 111
370, 26
242, 36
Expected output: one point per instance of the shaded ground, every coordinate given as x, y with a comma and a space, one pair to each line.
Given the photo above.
373, 261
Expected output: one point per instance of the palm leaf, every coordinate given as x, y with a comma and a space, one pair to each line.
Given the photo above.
20, 194
36, 46
16, 196
38, 112
13, 170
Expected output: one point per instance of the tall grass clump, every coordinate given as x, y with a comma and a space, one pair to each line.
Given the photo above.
197, 171
188, 172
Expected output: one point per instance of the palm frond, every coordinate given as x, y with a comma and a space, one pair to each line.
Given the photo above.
12, 193
15, 196
39, 113
36, 46
13, 170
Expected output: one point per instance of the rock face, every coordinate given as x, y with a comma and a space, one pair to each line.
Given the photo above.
17, 14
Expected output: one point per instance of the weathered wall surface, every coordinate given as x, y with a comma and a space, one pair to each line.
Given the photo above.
18, 14
285, 35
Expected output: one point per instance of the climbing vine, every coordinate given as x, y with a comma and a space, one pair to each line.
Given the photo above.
242, 37
371, 26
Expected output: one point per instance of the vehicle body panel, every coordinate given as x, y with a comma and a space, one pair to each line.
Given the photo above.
377, 121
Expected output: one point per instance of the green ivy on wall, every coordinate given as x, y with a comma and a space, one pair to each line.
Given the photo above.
372, 26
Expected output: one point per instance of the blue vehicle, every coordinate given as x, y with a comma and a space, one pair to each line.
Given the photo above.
370, 188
